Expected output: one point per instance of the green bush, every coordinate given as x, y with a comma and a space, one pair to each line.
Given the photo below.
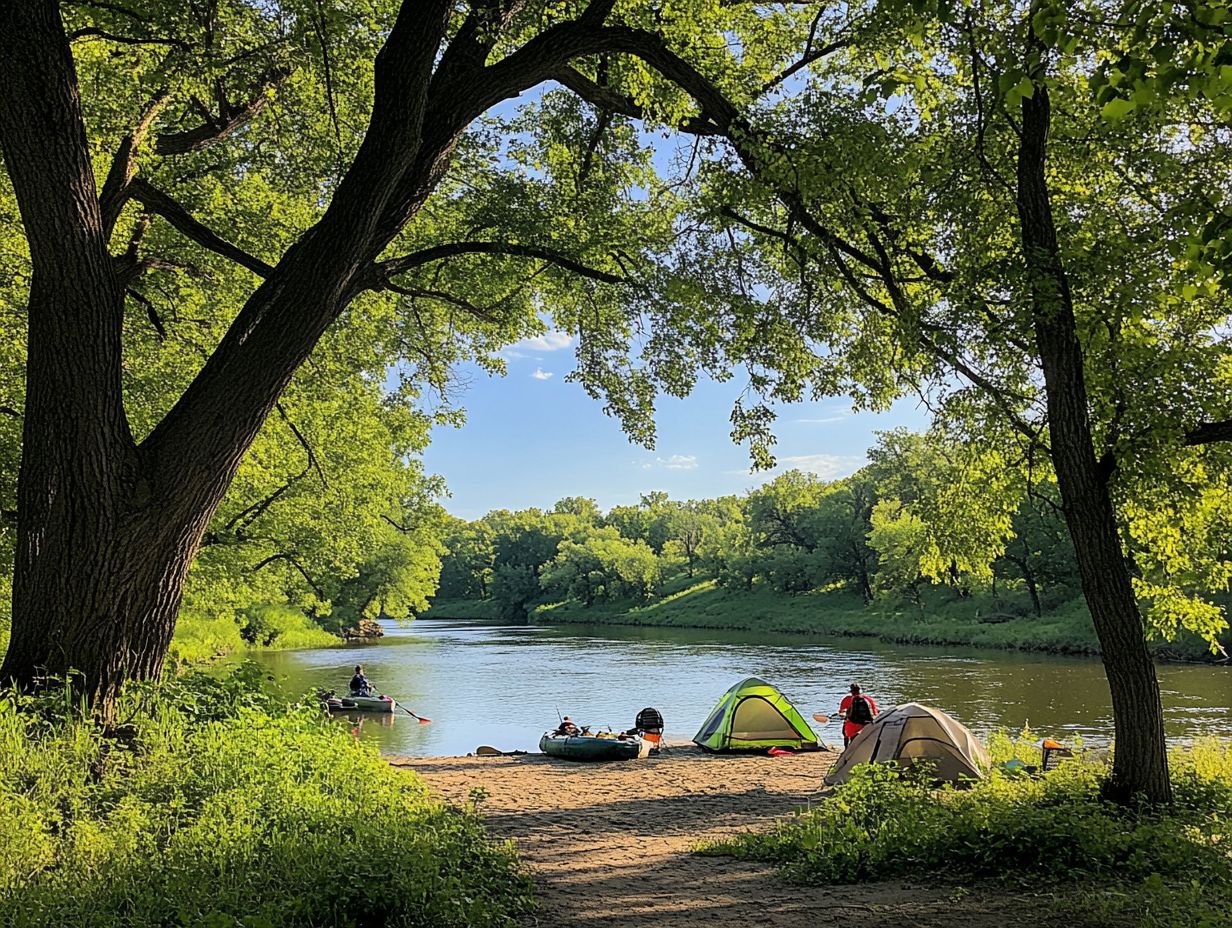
205, 635
285, 628
1054, 827
204, 809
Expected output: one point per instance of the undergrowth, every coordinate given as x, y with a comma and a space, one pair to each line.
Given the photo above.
1054, 829
213, 806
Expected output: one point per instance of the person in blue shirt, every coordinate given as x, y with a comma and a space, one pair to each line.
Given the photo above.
359, 683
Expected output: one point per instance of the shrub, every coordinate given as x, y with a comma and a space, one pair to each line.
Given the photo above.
1055, 827
226, 814
282, 627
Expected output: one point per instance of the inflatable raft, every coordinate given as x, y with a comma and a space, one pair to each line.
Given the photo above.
361, 704
591, 748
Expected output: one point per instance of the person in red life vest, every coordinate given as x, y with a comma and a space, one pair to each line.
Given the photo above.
856, 710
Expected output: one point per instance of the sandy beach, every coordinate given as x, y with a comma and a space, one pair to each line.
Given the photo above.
613, 841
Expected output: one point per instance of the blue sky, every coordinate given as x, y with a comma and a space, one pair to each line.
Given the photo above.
532, 438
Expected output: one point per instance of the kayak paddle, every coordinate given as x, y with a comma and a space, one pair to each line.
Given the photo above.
422, 720
818, 717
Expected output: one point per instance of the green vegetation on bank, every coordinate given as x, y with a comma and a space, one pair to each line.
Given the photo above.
213, 805
202, 637
977, 621
881, 553
1162, 867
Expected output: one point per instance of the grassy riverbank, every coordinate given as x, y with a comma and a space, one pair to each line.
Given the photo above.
201, 637
944, 619
212, 807
1101, 863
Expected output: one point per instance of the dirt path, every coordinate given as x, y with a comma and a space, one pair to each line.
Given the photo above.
613, 841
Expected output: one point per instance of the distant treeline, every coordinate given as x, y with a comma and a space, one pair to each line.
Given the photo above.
903, 523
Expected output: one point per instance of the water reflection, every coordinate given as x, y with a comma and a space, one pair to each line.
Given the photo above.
504, 686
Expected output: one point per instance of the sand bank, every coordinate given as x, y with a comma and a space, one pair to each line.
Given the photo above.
613, 842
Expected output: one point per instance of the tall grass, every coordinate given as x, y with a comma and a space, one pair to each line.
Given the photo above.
211, 808
1055, 829
203, 635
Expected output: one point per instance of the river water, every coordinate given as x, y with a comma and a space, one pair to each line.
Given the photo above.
503, 685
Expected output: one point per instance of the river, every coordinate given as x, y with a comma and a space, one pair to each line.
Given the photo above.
503, 685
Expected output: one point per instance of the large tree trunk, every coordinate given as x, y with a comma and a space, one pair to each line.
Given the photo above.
1140, 766
106, 529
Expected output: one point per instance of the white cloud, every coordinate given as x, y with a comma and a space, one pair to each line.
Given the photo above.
675, 462
826, 421
541, 374
825, 466
680, 462
551, 340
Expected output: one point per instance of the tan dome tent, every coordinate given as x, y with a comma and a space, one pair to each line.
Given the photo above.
911, 734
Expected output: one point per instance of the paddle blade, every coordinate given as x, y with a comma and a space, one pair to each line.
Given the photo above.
818, 717
486, 750
422, 720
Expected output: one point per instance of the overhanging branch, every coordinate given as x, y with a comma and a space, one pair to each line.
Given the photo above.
164, 205
382, 271
1208, 433
609, 100
230, 117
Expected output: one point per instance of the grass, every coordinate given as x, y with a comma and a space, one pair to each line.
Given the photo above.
978, 621
213, 806
479, 609
204, 636
1158, 867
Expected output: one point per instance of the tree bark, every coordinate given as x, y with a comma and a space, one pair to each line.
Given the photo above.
106, 529
1140, 765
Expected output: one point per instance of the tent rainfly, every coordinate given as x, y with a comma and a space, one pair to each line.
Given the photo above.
755, 716
914, 734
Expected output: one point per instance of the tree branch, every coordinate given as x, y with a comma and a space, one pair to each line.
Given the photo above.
163, 205
808, 58
1208, 433
251, 513
294, 562
382, 271
606, 99
299, 436
150, 311
95, 32
477, 311
229, 118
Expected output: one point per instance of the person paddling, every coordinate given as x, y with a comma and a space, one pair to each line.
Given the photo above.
359, 683
856, 710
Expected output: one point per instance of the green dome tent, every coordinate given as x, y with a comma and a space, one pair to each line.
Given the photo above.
754, 716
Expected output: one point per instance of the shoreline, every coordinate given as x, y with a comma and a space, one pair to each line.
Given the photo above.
1064, 632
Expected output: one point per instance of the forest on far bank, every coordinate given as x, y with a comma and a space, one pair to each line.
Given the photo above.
918, 532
